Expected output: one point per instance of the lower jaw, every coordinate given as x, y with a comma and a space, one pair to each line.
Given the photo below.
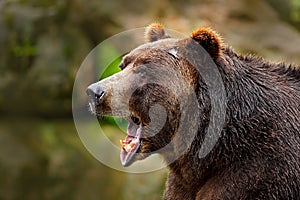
133, 158
128, 158
140, 154
131, 145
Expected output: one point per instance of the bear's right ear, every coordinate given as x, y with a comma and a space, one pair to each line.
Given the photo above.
155, 32
209, 40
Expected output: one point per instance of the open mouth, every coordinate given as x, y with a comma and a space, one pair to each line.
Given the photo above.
132, 142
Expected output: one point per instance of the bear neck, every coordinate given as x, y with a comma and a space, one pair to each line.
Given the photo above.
249, 85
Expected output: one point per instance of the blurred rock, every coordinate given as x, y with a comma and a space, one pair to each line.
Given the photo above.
42, 47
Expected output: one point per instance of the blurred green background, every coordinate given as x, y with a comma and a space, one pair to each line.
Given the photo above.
42, 45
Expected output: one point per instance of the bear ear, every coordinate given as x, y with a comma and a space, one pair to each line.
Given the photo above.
155, 32
209, 40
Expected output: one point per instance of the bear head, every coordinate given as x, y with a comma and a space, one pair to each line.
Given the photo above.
157, 90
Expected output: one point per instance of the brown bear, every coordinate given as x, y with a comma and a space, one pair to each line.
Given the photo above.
257, 152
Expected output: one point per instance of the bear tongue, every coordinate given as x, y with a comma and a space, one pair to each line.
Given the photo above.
133, 136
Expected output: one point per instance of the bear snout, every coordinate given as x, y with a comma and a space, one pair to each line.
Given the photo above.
95, 95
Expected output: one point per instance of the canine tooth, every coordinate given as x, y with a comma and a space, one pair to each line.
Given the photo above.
132, 143
127, 147
123, 143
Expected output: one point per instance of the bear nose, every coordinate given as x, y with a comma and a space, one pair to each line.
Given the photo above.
95, 93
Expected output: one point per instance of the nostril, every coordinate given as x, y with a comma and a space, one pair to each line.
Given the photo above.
95, 92
99, 94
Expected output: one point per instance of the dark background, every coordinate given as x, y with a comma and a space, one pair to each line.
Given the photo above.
42, 45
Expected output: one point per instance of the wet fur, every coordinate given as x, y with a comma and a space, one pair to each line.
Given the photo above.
257, 155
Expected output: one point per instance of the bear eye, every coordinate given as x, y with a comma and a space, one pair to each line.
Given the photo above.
122, 66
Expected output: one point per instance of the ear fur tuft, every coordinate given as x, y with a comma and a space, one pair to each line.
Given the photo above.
209, 40
155, 32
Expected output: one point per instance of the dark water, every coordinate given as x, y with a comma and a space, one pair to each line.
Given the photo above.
45, 159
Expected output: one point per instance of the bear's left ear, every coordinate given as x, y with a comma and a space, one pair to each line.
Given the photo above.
155, 32
209, 40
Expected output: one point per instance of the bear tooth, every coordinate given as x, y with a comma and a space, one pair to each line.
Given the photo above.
127, 147
132, 143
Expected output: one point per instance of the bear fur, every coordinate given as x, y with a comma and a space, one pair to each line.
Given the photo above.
257, 155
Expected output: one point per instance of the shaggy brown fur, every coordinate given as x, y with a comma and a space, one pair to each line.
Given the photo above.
258, 153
